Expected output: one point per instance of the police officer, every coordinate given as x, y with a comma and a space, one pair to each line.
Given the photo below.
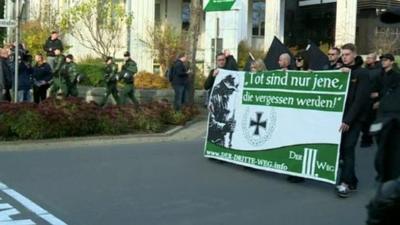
110, 77
70, 77
128, 71
57, 81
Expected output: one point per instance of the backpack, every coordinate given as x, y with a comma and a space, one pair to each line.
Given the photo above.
169, 74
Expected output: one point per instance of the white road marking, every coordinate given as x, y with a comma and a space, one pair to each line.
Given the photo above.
31, 206
18, 222
6, 211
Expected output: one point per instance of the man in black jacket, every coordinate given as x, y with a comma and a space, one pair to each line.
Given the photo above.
374, 68
52, 43
221, 61
354, 114
209, 83
334, 59
5, 77
180, 81
42, 76
388, 77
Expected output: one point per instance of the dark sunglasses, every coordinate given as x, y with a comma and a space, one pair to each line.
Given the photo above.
299, 59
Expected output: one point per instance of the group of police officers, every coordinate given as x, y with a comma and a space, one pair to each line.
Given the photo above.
60, 74
66, 77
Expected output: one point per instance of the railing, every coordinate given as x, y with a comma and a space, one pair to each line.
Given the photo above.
371, 4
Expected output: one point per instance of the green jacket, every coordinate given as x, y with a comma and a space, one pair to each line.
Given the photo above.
111, 73
59, 62
128, 71
70, 73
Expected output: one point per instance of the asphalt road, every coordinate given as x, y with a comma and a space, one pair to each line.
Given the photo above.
171, 183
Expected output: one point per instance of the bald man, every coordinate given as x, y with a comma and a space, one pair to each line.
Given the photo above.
374, 67
284, 61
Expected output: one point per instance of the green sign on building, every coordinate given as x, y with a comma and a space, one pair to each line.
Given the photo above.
219, 5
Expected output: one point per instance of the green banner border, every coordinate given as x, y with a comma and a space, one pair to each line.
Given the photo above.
213, 6
277, 159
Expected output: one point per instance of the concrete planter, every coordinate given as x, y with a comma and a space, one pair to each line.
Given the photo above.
143, 95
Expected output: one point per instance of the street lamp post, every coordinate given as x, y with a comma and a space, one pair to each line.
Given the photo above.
128, 10
16, 49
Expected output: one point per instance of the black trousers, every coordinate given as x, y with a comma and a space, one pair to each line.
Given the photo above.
348, 154
39, 93
7, 95
366, 135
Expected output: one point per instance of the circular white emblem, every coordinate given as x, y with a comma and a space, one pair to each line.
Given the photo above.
258, 125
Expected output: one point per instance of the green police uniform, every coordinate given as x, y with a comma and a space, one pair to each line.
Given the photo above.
57, 82
70, 79
128, 71
110, 77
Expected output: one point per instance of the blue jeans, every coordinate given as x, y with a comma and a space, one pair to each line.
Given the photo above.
181, 96
51, 60
24, 96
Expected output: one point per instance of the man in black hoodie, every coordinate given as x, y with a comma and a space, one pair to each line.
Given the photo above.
388, 77
356, 105
374, 68
52, 43
5, 76
180, 81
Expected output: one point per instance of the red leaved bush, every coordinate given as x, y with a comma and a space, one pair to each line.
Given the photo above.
69, 117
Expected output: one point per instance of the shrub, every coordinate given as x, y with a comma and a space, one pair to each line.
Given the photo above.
93, 69
146, 80
56, 118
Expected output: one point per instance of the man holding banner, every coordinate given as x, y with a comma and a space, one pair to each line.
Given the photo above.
357, 103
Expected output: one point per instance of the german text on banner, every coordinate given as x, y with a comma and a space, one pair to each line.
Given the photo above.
280, 121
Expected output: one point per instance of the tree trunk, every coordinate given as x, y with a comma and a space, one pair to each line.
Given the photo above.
196, 16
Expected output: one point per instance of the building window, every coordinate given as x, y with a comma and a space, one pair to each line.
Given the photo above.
185, 14
218, 50
387, 39
157, 13
258, 17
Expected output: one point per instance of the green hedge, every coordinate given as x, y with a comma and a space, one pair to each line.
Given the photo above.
93, 69
73, 117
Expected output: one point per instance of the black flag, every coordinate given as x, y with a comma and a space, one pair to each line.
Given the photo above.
272, 57
250, 60
391, 16
317, 59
